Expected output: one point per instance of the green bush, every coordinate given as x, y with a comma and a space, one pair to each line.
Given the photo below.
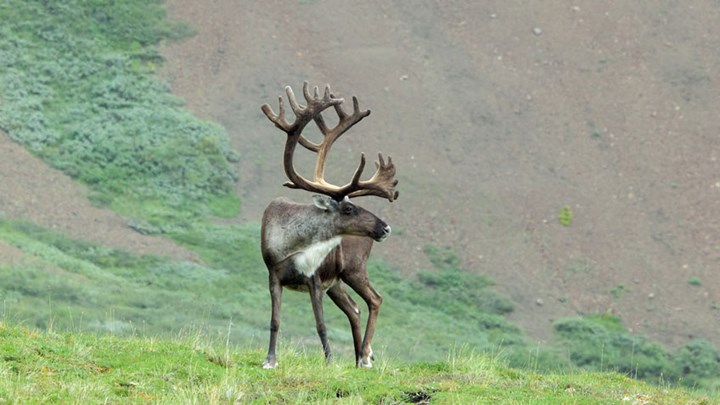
462, 293
565, 216
698, 363
598, 343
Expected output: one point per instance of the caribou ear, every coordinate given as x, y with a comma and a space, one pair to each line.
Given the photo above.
324, 202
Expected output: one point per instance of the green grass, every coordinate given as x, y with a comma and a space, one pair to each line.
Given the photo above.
194, 368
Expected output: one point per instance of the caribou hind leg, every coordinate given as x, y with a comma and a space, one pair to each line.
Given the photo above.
359, 282
342, 299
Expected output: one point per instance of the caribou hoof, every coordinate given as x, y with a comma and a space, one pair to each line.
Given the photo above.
364, 362
269, 363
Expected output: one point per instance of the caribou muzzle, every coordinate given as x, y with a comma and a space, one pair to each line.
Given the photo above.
382, 232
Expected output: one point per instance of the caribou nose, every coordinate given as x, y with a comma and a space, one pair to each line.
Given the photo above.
386, 233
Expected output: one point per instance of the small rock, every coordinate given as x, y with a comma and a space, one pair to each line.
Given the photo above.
539, 302
537, 31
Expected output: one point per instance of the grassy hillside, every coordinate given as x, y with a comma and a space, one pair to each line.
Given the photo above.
70, 285
77, 87
57, 283
87, 368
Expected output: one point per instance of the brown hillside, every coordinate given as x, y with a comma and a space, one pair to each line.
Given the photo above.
498, 114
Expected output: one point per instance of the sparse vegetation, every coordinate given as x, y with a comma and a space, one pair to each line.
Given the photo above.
565, 216
618, 291
580, 266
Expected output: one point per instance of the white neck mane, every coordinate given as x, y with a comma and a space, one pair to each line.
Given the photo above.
308, 260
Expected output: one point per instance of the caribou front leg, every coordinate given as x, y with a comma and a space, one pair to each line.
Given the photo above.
316, 294
276, 297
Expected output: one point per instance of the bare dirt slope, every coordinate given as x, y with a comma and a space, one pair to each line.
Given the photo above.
498, 114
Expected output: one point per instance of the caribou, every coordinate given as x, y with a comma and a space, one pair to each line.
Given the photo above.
324, 246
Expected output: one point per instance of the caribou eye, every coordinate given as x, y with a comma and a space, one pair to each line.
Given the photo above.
348, 209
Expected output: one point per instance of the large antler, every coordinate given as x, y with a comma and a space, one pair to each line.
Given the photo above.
381, 184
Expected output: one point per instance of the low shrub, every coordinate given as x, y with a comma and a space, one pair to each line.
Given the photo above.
598, 343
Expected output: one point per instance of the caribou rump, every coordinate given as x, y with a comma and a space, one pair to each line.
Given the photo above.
322, 247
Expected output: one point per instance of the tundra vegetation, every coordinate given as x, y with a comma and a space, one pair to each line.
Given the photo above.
78, 89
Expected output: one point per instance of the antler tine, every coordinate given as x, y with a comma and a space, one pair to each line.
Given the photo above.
346, 121
277, 119
316, 92
297, 108
342, 115
382, 183
358, 172
318, 118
